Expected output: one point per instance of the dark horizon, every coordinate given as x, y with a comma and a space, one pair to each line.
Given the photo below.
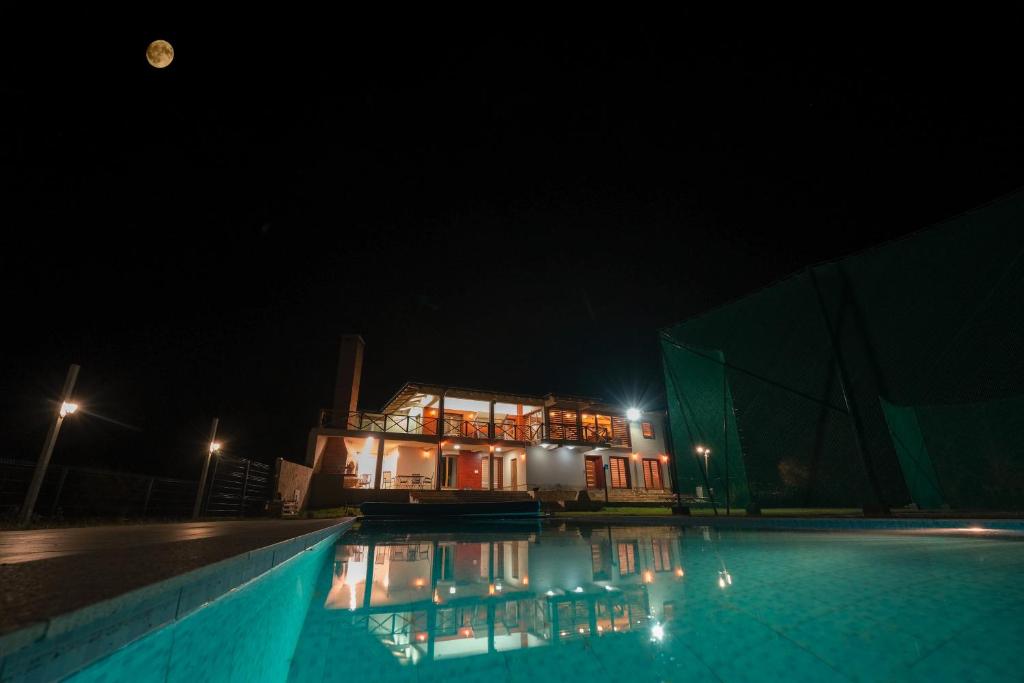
517, 208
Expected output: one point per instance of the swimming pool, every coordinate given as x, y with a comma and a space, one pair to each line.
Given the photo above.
525, 602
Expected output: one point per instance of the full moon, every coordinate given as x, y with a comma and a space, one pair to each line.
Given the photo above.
160, 53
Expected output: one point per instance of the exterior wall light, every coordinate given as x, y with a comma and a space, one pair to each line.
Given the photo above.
633, 414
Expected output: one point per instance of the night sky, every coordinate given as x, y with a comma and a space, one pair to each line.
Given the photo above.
516, 205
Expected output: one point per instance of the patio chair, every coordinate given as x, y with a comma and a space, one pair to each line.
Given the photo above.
387, 481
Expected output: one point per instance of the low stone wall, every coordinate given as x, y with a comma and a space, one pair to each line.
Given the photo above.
326, 491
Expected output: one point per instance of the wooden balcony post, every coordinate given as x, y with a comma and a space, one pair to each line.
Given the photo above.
490, 469
438, 467
439, 431
440, 415
579, 423
490, 423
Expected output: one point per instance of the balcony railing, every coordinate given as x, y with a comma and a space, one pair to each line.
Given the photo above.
362, 420
509, 431
586, 433
452, 426
471, 429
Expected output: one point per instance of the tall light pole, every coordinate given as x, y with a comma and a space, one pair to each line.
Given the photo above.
212, 447
707, 473
64, 408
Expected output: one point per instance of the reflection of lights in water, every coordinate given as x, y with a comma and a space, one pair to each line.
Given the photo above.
609, 588
498, 588
657, 633
550, 593
724, 579
419, 583
421, 637
680, 572
467, 632
526, 580
451, 590
600, 628
490, 589
648, 576
577, 589
563, 633
437, 597
581, 630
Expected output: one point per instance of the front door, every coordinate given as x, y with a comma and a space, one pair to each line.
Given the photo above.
513, 473
470, 466
595, 472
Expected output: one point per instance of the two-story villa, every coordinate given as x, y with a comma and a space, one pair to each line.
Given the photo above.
432, 438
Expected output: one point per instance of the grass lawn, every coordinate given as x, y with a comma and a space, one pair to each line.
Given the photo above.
332, 512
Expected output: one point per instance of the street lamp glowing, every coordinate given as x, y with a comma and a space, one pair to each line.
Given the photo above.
68, 408
633, 414
215, 446
705, 452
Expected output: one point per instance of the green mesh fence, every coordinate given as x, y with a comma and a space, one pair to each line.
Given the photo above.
912, 453
818, 373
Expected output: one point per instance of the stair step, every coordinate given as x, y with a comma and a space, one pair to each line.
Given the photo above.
467, 496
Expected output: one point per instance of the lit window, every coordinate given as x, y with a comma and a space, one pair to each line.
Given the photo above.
647, 429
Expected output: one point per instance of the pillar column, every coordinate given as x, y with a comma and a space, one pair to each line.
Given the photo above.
438, 467
380, 463
490, 423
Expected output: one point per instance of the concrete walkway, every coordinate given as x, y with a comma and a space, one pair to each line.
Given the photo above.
49, 572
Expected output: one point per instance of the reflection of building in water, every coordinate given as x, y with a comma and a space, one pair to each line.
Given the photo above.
436, 598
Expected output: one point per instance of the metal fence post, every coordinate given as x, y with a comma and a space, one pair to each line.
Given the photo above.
849, 399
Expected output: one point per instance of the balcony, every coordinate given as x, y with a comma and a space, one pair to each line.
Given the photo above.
617, 435
455, 426
390, 423
510, 431
469, 429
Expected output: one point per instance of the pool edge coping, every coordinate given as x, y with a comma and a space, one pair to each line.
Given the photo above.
138, 612
823, 523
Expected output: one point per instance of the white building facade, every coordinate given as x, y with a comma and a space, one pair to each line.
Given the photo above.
429, 439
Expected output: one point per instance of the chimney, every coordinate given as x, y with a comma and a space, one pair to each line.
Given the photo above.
350, 369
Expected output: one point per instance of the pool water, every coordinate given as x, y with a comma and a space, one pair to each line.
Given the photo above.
529, 603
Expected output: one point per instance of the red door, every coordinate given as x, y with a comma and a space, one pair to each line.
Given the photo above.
470, 475
595, 472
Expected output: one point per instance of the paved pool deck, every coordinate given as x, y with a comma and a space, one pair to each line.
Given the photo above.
48, 572
974, 526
